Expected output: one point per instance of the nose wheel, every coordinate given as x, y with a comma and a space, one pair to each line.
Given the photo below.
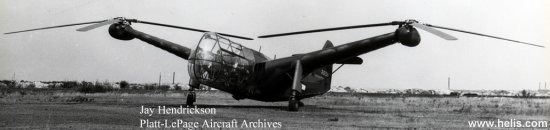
191, 97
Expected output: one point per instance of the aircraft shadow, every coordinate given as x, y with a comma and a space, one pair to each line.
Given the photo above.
239, 106
219, 106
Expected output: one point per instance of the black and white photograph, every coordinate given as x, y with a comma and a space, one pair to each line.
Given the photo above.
274, 64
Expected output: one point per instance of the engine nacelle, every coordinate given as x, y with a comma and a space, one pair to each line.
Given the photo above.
117, 31
408, 36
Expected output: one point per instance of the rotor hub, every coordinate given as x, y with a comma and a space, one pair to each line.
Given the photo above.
117, 31
408, 35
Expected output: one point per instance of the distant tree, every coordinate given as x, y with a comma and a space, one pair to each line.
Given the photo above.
84, 83
32, 85
9, 83
135, 87
524, 93
3, 85
124, 84
149, 87
502, 92
349, 89
98, 87
68, 84
455, 94
164, 87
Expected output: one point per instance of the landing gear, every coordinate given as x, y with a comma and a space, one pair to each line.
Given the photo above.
300, 103
191, 98
293, 103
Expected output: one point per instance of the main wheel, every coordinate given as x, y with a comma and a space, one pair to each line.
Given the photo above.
293, 105
300, 104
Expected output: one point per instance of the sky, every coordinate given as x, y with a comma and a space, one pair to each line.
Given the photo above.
472, 62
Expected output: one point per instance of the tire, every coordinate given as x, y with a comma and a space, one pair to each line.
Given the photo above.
301, 104
190, 99
293, 105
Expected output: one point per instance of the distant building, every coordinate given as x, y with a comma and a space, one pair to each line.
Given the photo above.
115, 86
337, 89
413, 91
38, 84
443, 92
543, 92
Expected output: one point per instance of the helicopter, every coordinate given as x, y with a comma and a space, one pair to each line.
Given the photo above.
245, 73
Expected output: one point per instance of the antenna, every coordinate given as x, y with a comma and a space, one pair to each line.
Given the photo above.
449, 83
160, 77
173, 77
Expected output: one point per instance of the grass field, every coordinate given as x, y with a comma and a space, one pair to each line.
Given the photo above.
57, 109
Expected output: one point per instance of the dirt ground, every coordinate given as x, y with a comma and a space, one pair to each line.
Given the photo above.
65, 110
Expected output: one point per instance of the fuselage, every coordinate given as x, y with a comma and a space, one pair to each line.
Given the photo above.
228, 66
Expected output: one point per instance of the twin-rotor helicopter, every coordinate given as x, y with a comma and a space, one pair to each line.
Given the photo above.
223, 64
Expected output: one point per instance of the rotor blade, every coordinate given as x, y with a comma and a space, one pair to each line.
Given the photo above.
93, 26
479, 34
59, 26
191, 29
434, 31
331, 29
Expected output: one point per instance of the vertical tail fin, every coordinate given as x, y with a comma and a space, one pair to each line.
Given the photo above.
318, 81
328, 44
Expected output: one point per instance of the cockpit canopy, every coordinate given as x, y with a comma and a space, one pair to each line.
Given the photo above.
219, 61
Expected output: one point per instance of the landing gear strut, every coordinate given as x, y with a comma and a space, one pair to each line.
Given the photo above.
191, 96
293, 102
